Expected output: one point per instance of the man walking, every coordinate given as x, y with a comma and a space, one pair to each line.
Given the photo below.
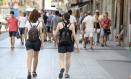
13, 28
88, 31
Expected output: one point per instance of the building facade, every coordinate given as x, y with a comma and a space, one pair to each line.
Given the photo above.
119, 11
121, 18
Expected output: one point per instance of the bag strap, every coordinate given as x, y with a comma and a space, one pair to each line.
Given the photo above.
36, 25
65, 26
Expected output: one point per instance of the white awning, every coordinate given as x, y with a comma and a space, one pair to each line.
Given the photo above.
50, 8
29, 9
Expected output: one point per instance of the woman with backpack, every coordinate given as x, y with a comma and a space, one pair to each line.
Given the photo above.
33, 30
66, 32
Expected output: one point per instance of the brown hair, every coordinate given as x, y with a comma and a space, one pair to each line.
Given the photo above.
34, 15
66, 16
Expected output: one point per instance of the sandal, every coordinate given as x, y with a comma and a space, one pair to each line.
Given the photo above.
61, 73
34, 74
67, 76
29, 76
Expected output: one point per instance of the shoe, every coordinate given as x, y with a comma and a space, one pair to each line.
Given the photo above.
85, 47
34, 74
91, 48
45, 40
61, 73
12, 47
29, 76
102, 45
106, 45
22, 43
67, 76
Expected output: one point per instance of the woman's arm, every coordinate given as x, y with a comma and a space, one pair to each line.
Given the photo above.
57, 29
74, 35
41, 33
26, 32
26, 29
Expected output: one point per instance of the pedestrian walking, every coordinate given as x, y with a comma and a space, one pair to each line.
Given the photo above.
73, 19
65, 45
43, 29
88, 29
105, 23
55, 20
22, 21
120, 36
44, 16
49, 27
13, 28
97, 27
33, 42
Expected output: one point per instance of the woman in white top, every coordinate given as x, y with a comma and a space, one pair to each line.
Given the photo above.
33, 46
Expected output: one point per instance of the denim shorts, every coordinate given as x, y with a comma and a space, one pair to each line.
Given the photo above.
22, 30
65, 49
36, 45
88, 34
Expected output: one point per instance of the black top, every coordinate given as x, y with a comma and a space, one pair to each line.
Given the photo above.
97, 25
66, 25
45, 19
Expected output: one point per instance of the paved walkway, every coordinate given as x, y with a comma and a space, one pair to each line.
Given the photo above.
101, 63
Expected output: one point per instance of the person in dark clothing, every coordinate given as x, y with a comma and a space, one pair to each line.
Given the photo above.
45, 22
97, 26
65, 49
45, 17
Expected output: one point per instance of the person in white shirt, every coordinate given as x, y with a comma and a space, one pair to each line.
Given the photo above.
73, 19
88, 30
22, 22
33, 47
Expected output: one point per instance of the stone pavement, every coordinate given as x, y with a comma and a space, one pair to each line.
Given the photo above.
102, 63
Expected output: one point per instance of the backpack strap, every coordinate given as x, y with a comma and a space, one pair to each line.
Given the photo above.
65, 26
30, 24
36, 25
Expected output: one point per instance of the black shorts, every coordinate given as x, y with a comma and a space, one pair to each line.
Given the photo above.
33, 45
65, 49
13, 33
106, 32
22, 30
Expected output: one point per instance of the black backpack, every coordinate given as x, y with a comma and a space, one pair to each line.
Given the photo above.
33, 32
65, 35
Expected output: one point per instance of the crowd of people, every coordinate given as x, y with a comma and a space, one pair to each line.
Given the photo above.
60, 29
